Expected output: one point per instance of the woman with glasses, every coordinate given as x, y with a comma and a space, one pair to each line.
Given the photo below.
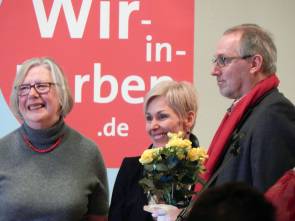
48, 171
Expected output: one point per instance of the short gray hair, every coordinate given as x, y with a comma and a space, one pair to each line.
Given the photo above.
256, 40
62, 87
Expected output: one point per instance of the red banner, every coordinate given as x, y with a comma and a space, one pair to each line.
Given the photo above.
112, 52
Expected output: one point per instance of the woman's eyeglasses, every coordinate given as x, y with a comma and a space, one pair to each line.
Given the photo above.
41, 88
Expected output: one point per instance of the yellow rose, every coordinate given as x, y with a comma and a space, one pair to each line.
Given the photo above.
147, 156
202, 152
175, 135
197, 154
180, 155
178, 142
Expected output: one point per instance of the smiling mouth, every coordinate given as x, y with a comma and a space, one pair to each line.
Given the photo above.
32, 107
159, 136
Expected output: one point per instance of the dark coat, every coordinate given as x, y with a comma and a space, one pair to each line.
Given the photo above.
266, 142
128, 197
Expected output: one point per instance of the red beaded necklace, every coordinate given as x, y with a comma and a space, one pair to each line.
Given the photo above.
36, 149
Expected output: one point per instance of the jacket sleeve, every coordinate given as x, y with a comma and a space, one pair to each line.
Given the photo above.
128, 197
273, 145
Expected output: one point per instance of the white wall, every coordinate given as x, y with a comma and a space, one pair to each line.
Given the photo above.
212, 17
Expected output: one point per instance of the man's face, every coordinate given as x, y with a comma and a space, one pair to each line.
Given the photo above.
230, 69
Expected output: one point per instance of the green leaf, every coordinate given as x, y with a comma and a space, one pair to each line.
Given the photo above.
148, 167
147, 183
161, 167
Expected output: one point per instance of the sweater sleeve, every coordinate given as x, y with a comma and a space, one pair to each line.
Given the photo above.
98, 203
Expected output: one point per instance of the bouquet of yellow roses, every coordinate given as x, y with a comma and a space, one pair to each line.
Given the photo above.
170, 171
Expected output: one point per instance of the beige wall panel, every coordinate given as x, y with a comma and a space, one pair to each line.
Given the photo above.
212, 17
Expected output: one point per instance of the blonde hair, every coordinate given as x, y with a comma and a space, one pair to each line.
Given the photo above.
181, 97
62, 87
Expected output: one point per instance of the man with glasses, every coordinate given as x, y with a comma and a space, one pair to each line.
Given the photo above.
255, 142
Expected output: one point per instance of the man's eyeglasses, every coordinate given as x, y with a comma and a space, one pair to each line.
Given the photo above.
222, 61
41, 88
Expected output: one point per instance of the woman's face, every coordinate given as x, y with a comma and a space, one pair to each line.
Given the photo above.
161, 119
39, 110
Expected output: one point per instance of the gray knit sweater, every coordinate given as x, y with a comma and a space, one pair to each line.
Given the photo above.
62, 185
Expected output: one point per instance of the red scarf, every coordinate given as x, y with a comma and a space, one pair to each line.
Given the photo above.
230, 121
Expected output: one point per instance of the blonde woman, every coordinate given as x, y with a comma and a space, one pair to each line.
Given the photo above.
169, 107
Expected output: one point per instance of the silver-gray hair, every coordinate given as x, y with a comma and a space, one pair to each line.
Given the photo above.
256, 40
62, 87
